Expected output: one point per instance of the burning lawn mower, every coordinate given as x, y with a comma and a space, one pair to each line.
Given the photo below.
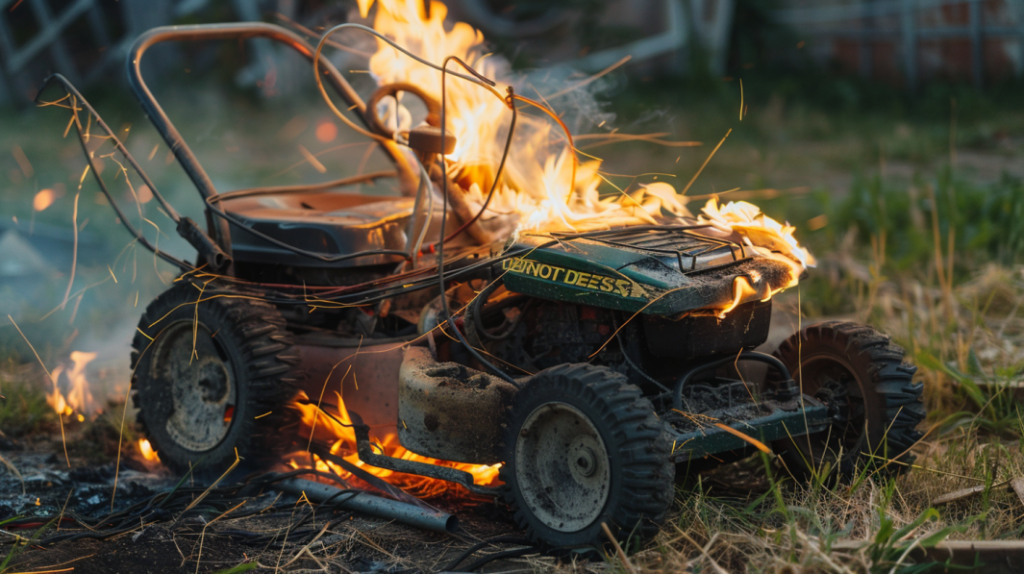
565, 352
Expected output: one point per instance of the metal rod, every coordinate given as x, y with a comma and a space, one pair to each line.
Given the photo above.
366, 454
371, 505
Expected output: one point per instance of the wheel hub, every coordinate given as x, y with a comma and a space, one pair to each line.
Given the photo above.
585, 464
562, 467
201, 385
841, 393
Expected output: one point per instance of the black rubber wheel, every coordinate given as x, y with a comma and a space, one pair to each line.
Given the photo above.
870, 391
205, 376
583, 448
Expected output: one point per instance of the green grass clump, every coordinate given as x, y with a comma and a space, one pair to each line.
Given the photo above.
24, 411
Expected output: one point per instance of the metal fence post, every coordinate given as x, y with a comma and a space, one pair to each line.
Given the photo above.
977, 48
1019, 14
867, 23
909, 25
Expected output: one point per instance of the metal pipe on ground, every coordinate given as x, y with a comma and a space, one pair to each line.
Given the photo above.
371, 505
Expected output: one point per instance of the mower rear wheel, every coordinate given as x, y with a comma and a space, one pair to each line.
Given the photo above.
582, 448
203, 371
859, 373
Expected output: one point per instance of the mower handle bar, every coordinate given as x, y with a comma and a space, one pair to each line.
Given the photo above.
220, 230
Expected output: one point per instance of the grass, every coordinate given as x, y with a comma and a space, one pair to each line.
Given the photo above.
23, 409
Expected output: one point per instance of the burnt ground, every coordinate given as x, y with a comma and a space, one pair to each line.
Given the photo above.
269, 531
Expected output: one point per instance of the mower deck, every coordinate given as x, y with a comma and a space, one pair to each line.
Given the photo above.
699, 436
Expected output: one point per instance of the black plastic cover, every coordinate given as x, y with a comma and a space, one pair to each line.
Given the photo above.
693, 336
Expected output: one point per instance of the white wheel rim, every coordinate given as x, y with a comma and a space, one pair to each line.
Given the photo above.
562, 467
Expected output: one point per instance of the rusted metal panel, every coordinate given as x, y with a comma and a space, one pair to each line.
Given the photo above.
365, 375
449, 411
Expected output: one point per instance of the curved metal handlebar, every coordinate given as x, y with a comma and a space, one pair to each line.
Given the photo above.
186, 158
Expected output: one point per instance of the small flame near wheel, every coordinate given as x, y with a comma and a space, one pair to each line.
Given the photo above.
342, 439
79, 397
147, 452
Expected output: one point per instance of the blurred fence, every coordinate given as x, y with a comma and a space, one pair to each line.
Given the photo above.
86, 40
910, 41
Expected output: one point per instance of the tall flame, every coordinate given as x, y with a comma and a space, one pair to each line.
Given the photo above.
538, 182
79, 397
538, 179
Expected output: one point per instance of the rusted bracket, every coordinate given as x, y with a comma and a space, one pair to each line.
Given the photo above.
365, 450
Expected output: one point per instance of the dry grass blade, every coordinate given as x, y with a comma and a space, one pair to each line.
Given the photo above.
705, 164
202, 537
596, 76
74, 251
618, 549
745, 437
14, 471
305, 549
958, 495
1017, 483
703, 550
60, 417
214, 485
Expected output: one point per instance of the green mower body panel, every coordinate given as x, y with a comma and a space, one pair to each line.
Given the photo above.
663, 270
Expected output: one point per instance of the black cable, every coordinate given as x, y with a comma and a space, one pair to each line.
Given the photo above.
300, 188
388, 292
510, 100
634, 366
514, 553
144, 512
478, 546
476, 312
444, 218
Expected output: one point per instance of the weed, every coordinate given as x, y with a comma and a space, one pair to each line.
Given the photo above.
24, 411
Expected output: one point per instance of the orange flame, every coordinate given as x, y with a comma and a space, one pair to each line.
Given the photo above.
79, 397
147, 452
538, 181
763, 234
342, 439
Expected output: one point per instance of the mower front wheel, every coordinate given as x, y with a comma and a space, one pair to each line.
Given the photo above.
583, 449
